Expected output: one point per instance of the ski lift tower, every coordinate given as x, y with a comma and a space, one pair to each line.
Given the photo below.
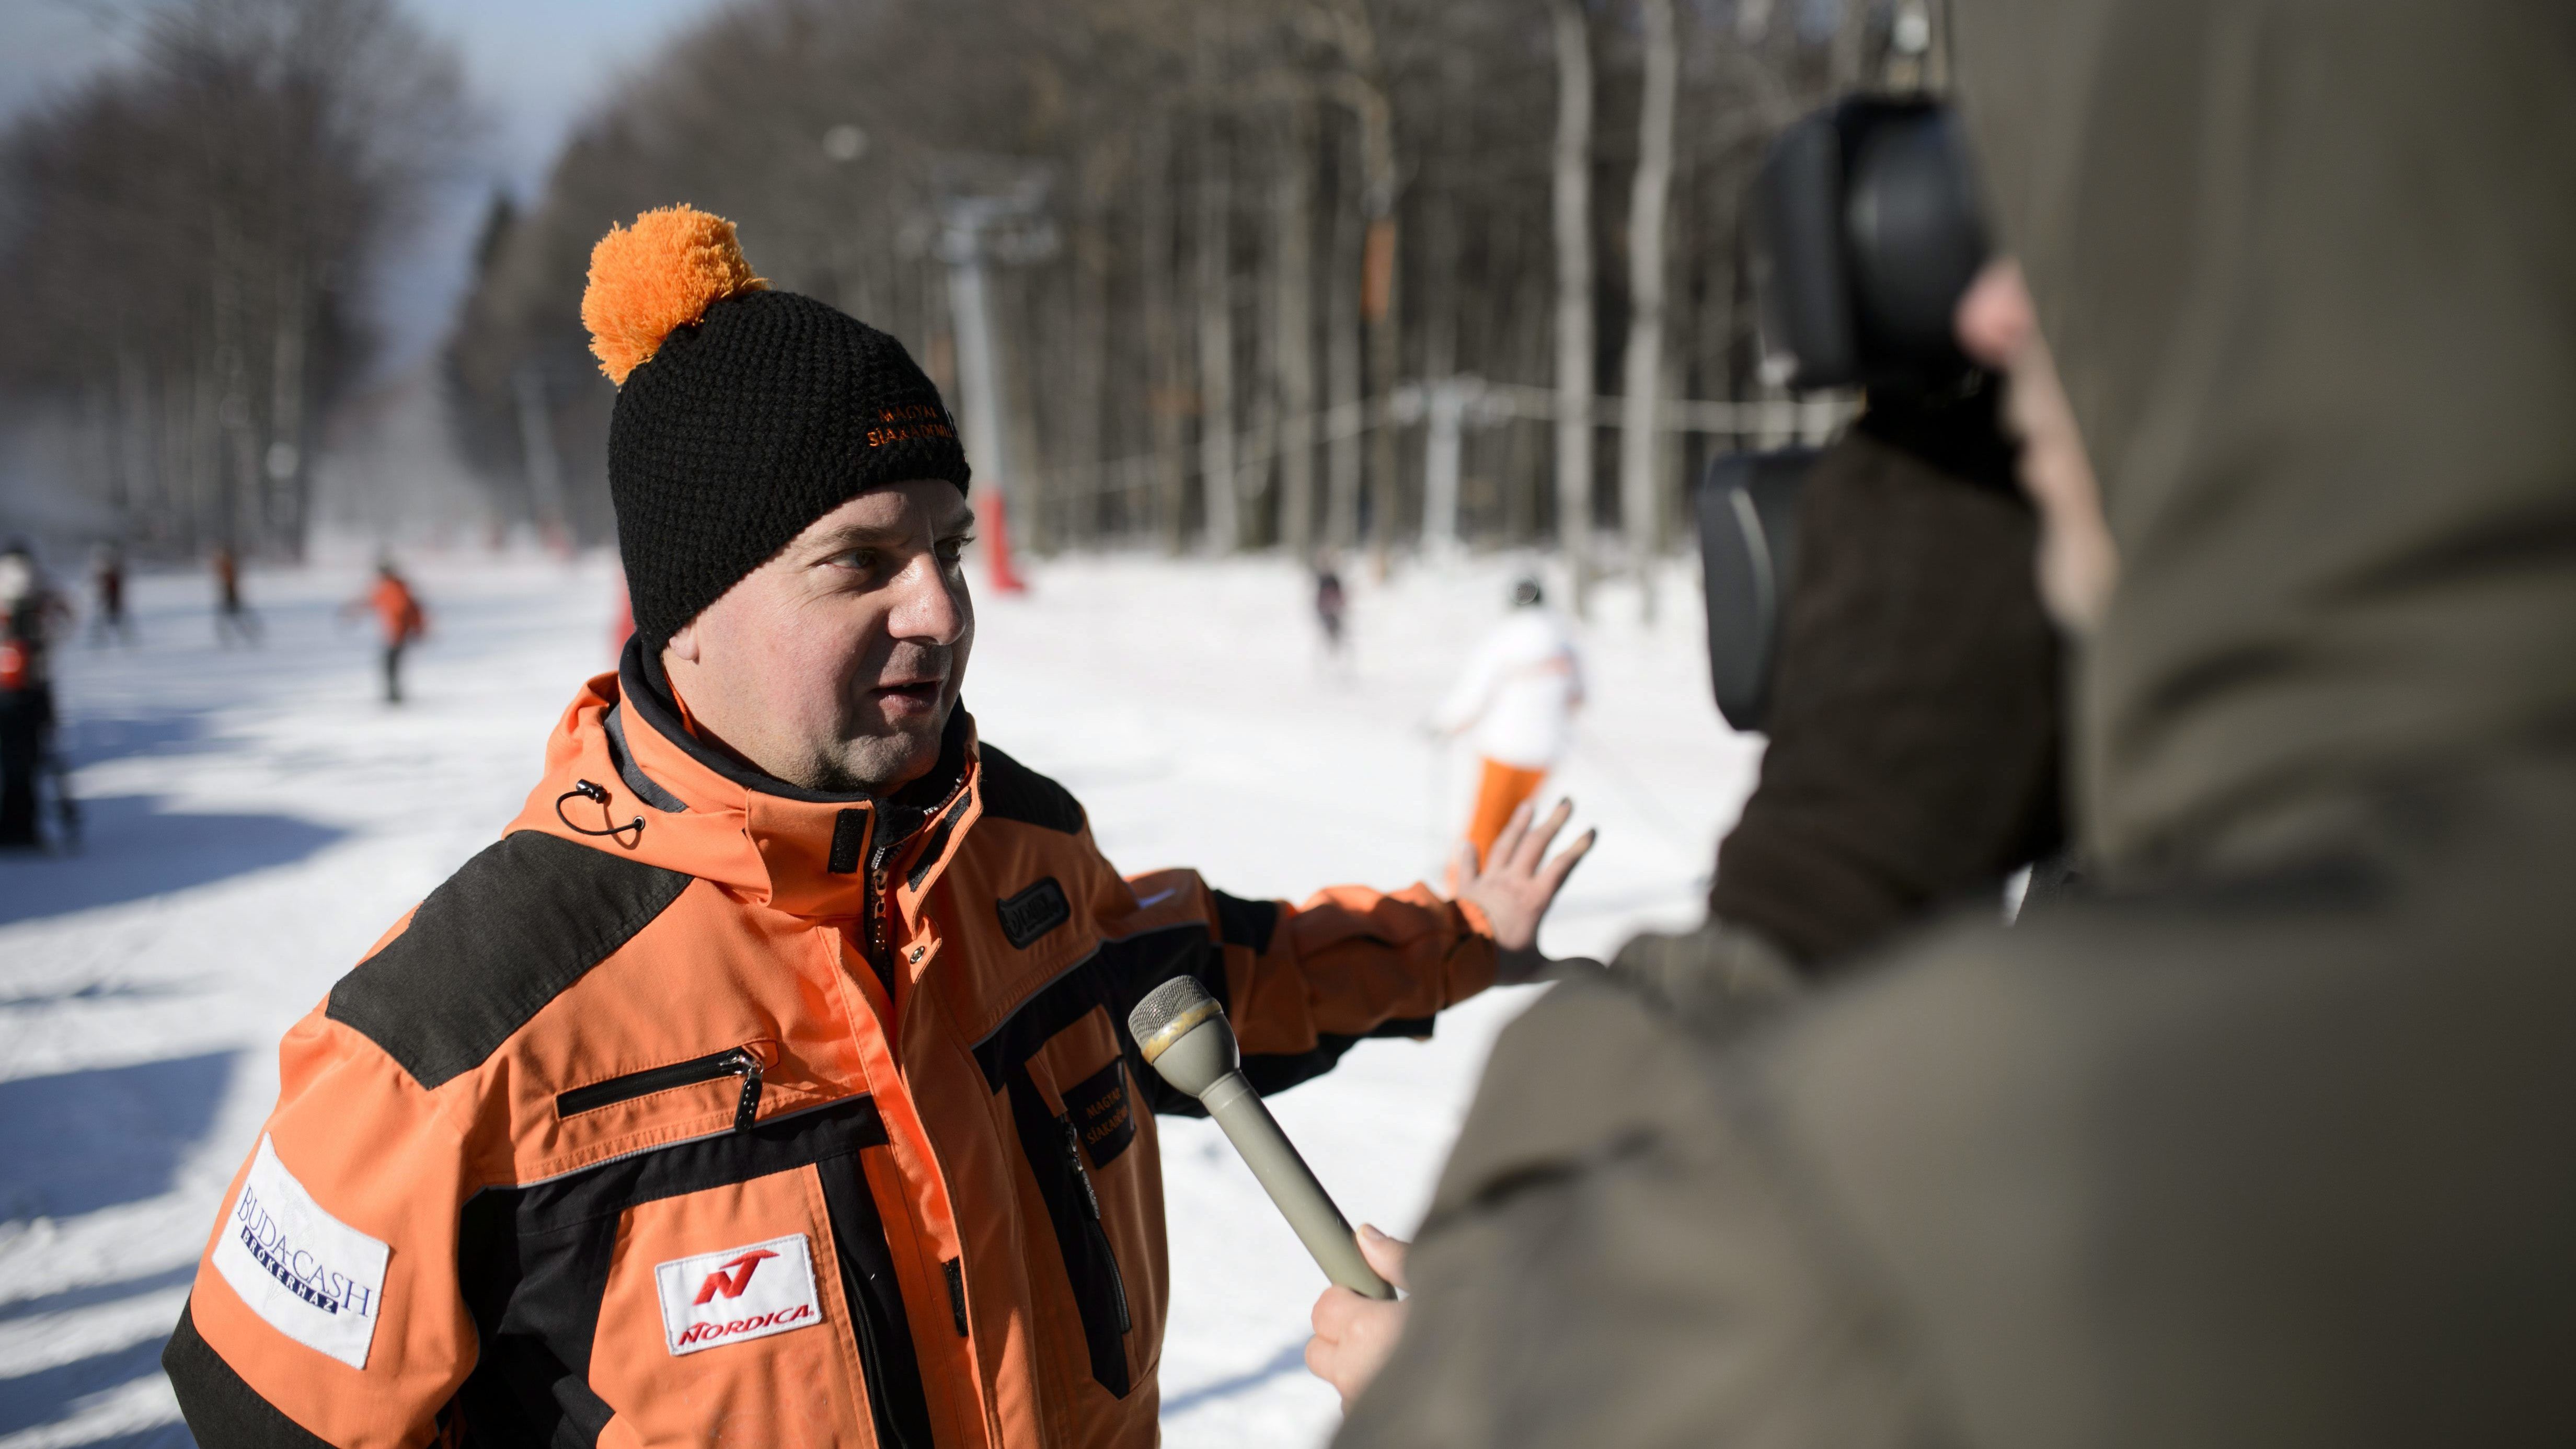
1005, 226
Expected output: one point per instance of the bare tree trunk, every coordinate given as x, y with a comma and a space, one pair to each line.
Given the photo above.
1851, 41
1378, 272
1161, 334
1088, 348
136, 428
1532, 342
202, 458
1342, 361
1363, 88
1253, 465
1936, 60
1216, 343
288, 464
1713, 330
239, 467
1015, 325
1293, 331
1440, 263
1641, 379
1572, 190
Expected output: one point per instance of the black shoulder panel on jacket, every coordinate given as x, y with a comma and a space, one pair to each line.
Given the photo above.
1013, 791
1246, 923
511, 931
222, 1411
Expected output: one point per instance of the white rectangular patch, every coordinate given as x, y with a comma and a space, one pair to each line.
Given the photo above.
313, 1277
734, 1294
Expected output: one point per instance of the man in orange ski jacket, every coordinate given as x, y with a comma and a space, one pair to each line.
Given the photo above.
769, 1082
398, 610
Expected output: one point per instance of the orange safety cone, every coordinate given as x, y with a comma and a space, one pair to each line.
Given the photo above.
994, 515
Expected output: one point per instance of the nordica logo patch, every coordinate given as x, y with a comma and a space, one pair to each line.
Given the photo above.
311, 1276
736, 1294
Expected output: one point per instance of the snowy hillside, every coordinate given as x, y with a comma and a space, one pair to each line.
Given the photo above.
256, 821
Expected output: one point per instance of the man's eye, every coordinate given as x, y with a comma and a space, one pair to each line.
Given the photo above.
951, 550
860, 559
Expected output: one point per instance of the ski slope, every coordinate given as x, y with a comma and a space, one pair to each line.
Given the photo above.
256, 819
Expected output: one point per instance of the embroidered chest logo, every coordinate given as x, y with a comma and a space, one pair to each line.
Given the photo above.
719, 1283
307, 1274
1034, 912
736, 1294
1101, 1114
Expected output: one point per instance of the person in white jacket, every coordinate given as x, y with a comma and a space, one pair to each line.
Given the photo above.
1516, 700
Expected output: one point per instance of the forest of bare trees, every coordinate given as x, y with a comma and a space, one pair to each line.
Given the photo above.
187, 238
1262, 272
1253, 273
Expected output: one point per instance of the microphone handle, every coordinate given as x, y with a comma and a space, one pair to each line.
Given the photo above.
1291, 1184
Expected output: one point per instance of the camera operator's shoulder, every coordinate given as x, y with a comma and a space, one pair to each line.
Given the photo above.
1980, 1026
1622, 1238
1980, 1032
1615, 1055
2172, 1113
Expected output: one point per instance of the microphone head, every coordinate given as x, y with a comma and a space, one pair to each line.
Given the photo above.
1182, 1008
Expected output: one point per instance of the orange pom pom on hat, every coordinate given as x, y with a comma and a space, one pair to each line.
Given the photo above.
743, 414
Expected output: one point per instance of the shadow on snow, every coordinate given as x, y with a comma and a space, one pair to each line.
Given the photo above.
81, 1141
78, 1142
50, 1394
130, 850
1291, 1357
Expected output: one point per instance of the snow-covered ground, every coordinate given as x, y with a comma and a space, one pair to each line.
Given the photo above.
256, 820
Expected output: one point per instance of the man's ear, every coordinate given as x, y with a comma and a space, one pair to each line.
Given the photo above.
683, 644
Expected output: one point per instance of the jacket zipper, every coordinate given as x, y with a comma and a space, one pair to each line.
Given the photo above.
1091, 1218
878, 906
741, 1061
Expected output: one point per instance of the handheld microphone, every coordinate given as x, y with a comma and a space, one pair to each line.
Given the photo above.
1185, 1036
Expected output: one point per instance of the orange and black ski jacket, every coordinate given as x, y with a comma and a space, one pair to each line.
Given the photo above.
398, 609
704, 1109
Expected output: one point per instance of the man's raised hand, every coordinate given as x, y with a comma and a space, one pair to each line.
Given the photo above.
1516, 882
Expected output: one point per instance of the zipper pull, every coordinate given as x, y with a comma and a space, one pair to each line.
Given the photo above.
1073, 1159
747, 1110
878, 906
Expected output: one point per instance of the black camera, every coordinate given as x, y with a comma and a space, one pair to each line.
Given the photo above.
1865, 232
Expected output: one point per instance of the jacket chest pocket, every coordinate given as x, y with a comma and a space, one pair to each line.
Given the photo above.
1097, 1201
739, 1283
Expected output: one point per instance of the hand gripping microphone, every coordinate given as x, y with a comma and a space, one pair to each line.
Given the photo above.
1185, 1036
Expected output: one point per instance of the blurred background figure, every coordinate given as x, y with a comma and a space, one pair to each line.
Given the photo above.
398, 610
29, 613
1332, 609
233, 618
107, 583
1517, 700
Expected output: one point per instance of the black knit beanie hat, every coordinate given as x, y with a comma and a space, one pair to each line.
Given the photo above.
743, 414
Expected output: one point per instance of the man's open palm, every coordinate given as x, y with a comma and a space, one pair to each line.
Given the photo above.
1516, 882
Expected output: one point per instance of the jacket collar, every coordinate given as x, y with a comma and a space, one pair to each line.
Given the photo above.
803, 852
